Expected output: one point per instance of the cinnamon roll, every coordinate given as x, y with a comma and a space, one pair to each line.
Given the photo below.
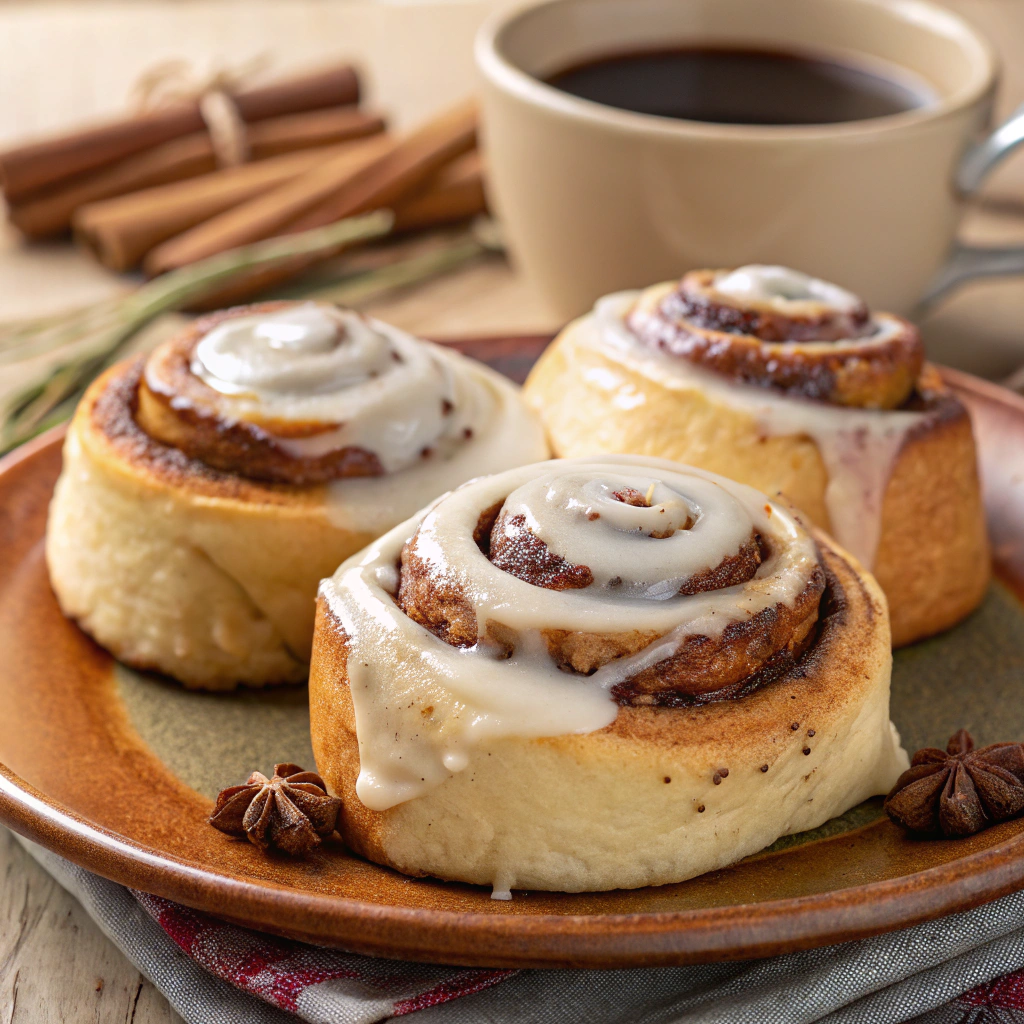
208, 488
794, 386
597, 673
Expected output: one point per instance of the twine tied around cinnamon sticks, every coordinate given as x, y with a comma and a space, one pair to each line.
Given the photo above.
176, 81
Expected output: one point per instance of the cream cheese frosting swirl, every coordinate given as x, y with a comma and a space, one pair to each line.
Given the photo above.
291, 354
790, 293
306, 393
780, 329
536, 601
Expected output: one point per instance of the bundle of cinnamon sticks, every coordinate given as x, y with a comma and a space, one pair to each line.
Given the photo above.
43, 182
148, 191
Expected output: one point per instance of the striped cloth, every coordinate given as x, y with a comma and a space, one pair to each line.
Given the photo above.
964, 969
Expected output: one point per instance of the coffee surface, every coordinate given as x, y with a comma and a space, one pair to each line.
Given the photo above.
727, 86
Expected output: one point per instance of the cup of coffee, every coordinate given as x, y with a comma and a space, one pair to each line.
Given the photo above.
630, 140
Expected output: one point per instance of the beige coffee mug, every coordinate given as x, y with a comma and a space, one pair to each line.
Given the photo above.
594, 199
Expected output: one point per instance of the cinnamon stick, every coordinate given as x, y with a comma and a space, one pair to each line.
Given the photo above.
265, 216
29, 168
447, 202
454, 131
341, 188
51, 212
278, 135
454, 194
120, 231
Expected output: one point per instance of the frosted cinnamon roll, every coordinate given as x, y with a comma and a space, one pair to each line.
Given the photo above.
208, 488
794, 386
597, 673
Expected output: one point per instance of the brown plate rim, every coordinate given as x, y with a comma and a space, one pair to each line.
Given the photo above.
735, 932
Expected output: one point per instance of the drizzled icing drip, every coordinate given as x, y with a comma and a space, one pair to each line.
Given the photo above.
420, 702
858, 446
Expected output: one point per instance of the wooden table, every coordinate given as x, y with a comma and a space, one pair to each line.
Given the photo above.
60, 62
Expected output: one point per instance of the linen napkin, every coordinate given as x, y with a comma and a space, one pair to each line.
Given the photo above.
963, 969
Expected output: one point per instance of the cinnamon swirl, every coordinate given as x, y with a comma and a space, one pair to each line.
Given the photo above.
597, 673
791, 385
208, 488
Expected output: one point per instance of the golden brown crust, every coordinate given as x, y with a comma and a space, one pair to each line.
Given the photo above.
208, 575
933, 559
169, 564
793, 355
180, 409
745, 657
749, 737
108, 414
846, 602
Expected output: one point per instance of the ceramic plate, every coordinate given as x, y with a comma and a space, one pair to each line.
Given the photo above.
117, 771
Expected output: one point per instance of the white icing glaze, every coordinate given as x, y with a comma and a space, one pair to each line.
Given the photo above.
579, 519
290, 354
381, 389
505, 434
386, 391
858, 446
782, 288
420, 702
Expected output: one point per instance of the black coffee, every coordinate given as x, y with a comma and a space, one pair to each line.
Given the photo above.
739, 87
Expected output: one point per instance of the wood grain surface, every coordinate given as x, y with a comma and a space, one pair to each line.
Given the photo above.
56, 966
52, 958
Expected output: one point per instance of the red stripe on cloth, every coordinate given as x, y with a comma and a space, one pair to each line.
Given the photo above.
275, 970
454, 988
278, 971
1004, 993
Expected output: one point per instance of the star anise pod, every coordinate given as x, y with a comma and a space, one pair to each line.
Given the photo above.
959, 791
290, 812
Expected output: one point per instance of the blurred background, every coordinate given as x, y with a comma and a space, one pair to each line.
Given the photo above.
63, 63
